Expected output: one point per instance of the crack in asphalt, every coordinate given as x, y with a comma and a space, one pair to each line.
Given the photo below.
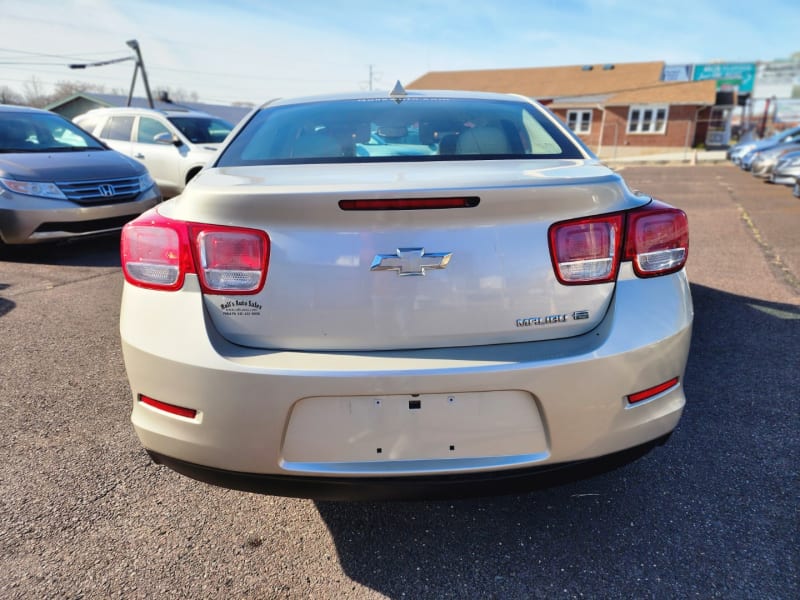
780, 268
51, 285
773, 258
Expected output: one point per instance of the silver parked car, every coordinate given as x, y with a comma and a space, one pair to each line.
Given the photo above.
173, 144
390, 295
58, 182
787, 169
738, 152
765, 160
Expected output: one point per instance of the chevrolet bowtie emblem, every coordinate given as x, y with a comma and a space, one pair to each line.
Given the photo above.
410, 261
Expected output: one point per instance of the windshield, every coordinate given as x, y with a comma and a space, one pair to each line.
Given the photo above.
378, 129
202, 130
42, 132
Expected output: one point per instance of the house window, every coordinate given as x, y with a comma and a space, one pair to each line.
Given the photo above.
579, 121
647, 119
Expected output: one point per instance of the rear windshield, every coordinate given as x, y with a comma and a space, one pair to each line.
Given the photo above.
414, 129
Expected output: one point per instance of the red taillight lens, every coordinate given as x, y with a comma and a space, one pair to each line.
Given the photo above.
657, 240
589, 250
231, 261
157, 252
586, 250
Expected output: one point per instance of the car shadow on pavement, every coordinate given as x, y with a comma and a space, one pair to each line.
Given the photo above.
722, 489
6, 305
96, 251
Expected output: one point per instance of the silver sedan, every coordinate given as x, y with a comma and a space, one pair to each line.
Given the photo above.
403, 294
787, 169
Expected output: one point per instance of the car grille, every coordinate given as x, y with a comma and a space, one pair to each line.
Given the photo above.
86, 226
105, 191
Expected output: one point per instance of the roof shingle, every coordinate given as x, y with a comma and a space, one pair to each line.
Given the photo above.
621, 83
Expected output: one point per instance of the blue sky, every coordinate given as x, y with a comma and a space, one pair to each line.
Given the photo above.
250, 50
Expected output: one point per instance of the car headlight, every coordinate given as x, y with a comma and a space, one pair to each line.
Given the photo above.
146, 182
33, 188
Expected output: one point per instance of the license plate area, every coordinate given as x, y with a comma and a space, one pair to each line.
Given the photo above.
466, 425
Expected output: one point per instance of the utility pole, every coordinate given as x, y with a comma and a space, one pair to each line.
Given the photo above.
133, 44
373, 77
139, 65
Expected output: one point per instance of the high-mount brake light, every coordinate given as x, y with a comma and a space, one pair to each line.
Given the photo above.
586, 250
158, 252
657, 240
409, 203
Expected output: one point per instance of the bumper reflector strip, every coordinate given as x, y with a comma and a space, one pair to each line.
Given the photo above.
653, 391
189, 413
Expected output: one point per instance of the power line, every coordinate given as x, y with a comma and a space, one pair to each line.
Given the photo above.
65, 56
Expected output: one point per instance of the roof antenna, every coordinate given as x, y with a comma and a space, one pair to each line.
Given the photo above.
398, 93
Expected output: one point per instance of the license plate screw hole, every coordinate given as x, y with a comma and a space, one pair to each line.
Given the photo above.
452, 448
379, 450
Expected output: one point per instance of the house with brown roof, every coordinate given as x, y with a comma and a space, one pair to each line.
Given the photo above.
614, 108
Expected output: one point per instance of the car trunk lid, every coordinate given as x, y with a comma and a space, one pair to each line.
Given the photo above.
421, 278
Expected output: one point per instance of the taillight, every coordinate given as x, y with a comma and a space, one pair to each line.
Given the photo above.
589, 250
657, 241
586, 250
231, 260
157, 253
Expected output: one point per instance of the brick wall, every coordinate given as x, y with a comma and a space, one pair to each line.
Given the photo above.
686, 127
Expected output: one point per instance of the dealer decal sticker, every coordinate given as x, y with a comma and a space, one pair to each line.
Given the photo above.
240, 308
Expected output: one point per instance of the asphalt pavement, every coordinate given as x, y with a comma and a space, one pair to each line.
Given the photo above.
713, 514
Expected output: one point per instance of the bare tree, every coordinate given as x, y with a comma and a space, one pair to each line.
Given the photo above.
9, 96
34, 93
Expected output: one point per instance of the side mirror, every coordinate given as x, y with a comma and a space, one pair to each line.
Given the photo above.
167, 139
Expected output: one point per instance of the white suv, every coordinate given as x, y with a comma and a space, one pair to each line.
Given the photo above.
173, 144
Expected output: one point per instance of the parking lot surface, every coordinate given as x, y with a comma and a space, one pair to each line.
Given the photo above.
713, 514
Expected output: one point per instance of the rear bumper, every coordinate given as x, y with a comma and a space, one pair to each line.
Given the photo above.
248, 400
434, 487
